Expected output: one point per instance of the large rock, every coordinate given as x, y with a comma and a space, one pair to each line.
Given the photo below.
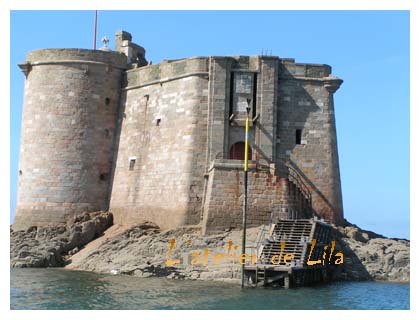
369, 256
142, 251
47, 246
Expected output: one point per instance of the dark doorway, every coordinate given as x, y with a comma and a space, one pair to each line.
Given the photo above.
237, 151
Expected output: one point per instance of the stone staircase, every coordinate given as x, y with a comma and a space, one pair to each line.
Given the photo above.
295, 236
290, 237
299, 205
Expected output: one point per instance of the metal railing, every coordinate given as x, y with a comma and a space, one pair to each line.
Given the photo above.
296, 178
262, 236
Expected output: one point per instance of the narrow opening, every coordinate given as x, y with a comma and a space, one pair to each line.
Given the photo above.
158, 122
106, 133
103, 176
132, 163
107, 100
298, 136
254, 97
20, 172
232, 77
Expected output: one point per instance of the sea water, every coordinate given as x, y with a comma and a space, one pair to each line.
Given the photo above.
63, 289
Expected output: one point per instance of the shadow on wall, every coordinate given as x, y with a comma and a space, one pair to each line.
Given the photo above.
306, 136
312, 187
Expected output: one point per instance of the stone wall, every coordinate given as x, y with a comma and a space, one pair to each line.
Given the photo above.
267, 194
68, 125
163, 132
305, 103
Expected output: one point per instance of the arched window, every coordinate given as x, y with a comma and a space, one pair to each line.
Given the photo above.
237, 151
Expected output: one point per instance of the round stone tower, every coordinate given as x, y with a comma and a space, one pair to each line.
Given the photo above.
67, 139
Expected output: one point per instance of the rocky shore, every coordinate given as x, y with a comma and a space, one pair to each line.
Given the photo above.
50, 246
142, 250
369, 256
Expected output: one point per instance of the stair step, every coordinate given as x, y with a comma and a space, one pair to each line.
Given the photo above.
269, 257
278, 248
289, 236
286, 247
288, 226
284, 251
286, 231
280, 232
292, 242
294, 226
293, 235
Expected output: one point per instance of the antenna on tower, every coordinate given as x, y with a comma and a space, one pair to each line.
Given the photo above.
94, 29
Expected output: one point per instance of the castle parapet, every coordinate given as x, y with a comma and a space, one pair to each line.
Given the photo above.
166, 71
289, 69
63, 56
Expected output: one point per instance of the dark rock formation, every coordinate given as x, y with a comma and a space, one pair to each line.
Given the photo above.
47, 246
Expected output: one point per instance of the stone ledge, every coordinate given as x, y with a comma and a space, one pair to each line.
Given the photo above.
226, 164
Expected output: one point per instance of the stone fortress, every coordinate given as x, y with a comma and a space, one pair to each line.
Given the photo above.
108, 130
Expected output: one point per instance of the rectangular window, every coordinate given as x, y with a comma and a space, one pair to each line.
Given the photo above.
242, 89
131, 163
298, 136
243, 83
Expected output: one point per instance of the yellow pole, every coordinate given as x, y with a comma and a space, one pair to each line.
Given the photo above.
245, 191
246, 142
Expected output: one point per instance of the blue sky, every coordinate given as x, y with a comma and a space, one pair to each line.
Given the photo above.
369, 50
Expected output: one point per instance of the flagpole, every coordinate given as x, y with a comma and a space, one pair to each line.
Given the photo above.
94, 29
245, 190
